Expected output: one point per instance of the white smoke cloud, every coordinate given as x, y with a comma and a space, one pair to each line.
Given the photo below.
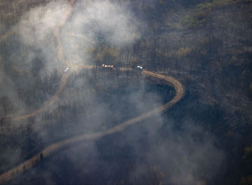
37, 24
184, 157
96, 23
83, 28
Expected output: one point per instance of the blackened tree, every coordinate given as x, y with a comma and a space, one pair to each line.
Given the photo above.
6, 107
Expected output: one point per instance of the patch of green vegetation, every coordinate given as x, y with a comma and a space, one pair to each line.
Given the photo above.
198, 16
197, 19
182, 52
247, 151
246, 180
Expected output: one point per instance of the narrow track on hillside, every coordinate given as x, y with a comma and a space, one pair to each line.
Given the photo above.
54, 147
57, 31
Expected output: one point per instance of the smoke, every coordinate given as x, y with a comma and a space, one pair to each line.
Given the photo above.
2, 28
150, 152
100, 22
36, 25
117, 26
34, 44
8, 88
89, 25
36, 33
185, 157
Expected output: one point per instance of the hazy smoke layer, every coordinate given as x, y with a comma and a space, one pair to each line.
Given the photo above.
33, 50
89, 24
184, 157
187, 156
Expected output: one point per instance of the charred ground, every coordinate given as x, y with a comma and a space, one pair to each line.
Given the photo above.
205, 44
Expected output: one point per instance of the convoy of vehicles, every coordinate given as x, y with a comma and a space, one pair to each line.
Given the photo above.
105, 66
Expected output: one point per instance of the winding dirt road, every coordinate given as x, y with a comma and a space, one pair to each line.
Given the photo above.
46, 152
52, 148
57, 31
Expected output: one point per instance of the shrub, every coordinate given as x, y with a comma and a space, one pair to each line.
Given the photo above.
182, 52
247, 151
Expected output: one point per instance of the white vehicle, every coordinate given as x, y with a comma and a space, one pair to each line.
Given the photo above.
139, 67
67, 69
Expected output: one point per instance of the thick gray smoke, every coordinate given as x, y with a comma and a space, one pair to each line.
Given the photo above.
182, 158
36, 33
34, 44
95, 23
88, 24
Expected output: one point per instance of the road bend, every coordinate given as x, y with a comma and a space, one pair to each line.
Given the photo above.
120, 127
56, 146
